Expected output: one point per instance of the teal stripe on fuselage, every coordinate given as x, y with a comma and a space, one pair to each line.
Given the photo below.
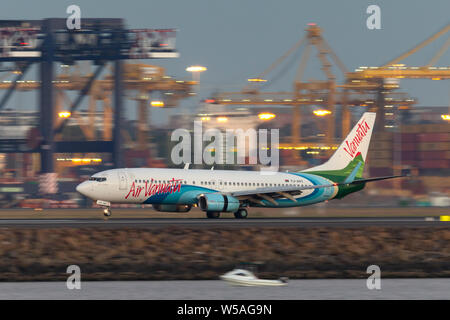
187, 195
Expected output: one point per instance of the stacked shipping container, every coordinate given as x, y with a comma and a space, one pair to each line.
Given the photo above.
426, 147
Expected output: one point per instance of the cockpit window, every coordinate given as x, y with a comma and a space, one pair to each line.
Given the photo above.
98, 179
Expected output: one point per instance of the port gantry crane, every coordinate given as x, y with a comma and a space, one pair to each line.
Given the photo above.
142, 79
378, 79
324, 94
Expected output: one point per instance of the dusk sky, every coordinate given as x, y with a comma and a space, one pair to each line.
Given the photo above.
238, 39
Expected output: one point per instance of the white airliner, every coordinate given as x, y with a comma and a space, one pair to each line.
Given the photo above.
216, 191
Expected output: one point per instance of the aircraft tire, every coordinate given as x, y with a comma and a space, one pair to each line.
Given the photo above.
107, 212
213, 214
241, 214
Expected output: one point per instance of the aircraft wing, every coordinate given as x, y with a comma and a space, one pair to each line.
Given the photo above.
279, 189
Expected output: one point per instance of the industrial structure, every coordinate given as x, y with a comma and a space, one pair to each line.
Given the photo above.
101, 41
371, 87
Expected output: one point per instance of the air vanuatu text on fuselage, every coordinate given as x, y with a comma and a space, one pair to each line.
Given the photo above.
150, 182
151, 188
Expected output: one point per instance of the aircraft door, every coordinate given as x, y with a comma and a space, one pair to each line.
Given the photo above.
123, 183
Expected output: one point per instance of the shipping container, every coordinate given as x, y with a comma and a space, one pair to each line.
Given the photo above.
409, 155
380, 172
408, 147
380, 145
383, 136
434, 164
433, 155
409, 162
435, 127
434, 146
377, 163
408, 137
433, 137
380, 154
410, 129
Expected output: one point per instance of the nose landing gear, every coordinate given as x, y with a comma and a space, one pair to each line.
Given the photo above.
107, 212
106, 207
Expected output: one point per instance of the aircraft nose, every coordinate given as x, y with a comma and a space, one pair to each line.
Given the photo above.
83, 188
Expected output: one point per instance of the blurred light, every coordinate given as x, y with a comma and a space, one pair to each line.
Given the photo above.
321, 113
256, 80
445, 117
210, 100
206, 118
435, 78
80, 160
196, 69
64, 114
157, 103
222, 119
266, 116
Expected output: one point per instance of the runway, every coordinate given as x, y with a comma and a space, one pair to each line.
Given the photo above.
229, 222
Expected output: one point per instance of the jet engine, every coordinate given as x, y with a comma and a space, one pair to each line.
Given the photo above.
218, 202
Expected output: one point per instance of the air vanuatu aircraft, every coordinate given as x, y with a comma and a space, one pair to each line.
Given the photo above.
217, 191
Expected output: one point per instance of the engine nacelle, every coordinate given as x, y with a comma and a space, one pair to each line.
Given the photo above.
172, 207
218, 202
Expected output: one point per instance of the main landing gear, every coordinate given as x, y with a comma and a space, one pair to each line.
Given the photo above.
213, 214
241, 214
